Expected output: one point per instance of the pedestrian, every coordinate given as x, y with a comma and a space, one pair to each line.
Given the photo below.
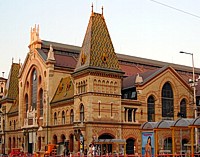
89, 154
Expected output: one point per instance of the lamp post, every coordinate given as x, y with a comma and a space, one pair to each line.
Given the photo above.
194, 90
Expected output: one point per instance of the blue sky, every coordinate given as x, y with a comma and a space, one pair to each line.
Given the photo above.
139, 28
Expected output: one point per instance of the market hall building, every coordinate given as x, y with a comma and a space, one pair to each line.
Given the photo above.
68, 93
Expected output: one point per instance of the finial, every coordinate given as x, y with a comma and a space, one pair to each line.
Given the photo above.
19, 60
12, 59
102, 10
92, 10
38, 28
3, 73
92, 7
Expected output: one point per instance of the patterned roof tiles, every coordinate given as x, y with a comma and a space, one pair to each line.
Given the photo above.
97, 48
12, 87
64, 91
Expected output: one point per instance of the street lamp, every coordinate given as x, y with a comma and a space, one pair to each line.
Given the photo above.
193, 83
194, 90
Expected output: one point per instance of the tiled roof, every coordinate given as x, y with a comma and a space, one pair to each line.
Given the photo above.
15, 107
97, 49
61, 47
64, 91
147, 76
130, 80
12, 85
62, 59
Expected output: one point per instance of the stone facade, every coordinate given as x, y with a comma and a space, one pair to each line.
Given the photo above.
63, 95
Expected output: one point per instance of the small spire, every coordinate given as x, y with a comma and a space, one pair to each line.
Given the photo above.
37, 32
102, 11
12, 59
92, 10
3, 73
19, 60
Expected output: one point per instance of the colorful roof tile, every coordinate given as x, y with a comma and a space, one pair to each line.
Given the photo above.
97, 49
64, 91
12, 85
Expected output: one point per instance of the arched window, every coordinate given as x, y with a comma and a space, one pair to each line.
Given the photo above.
4, 125
79, 88
13, 142
130, 115
41, 103
63, 117
81, 113
71, 116
82, 89
183, 111
34, 89
115, 87
55, 118
1, 89
26, 102
151, 109
95, 85
84, 86
99, 109
107, 87
167, 102
111, 109
14, 125
111, 87
99, 85
39, 141
103, 86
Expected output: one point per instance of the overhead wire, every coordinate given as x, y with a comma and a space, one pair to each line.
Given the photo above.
176, 9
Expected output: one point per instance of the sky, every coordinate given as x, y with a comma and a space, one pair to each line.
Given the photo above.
141, 28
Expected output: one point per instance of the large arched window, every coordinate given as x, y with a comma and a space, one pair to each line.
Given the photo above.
183, 108
71, 116
151, 109
34, 89
81, 113
167, 102
41, 102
